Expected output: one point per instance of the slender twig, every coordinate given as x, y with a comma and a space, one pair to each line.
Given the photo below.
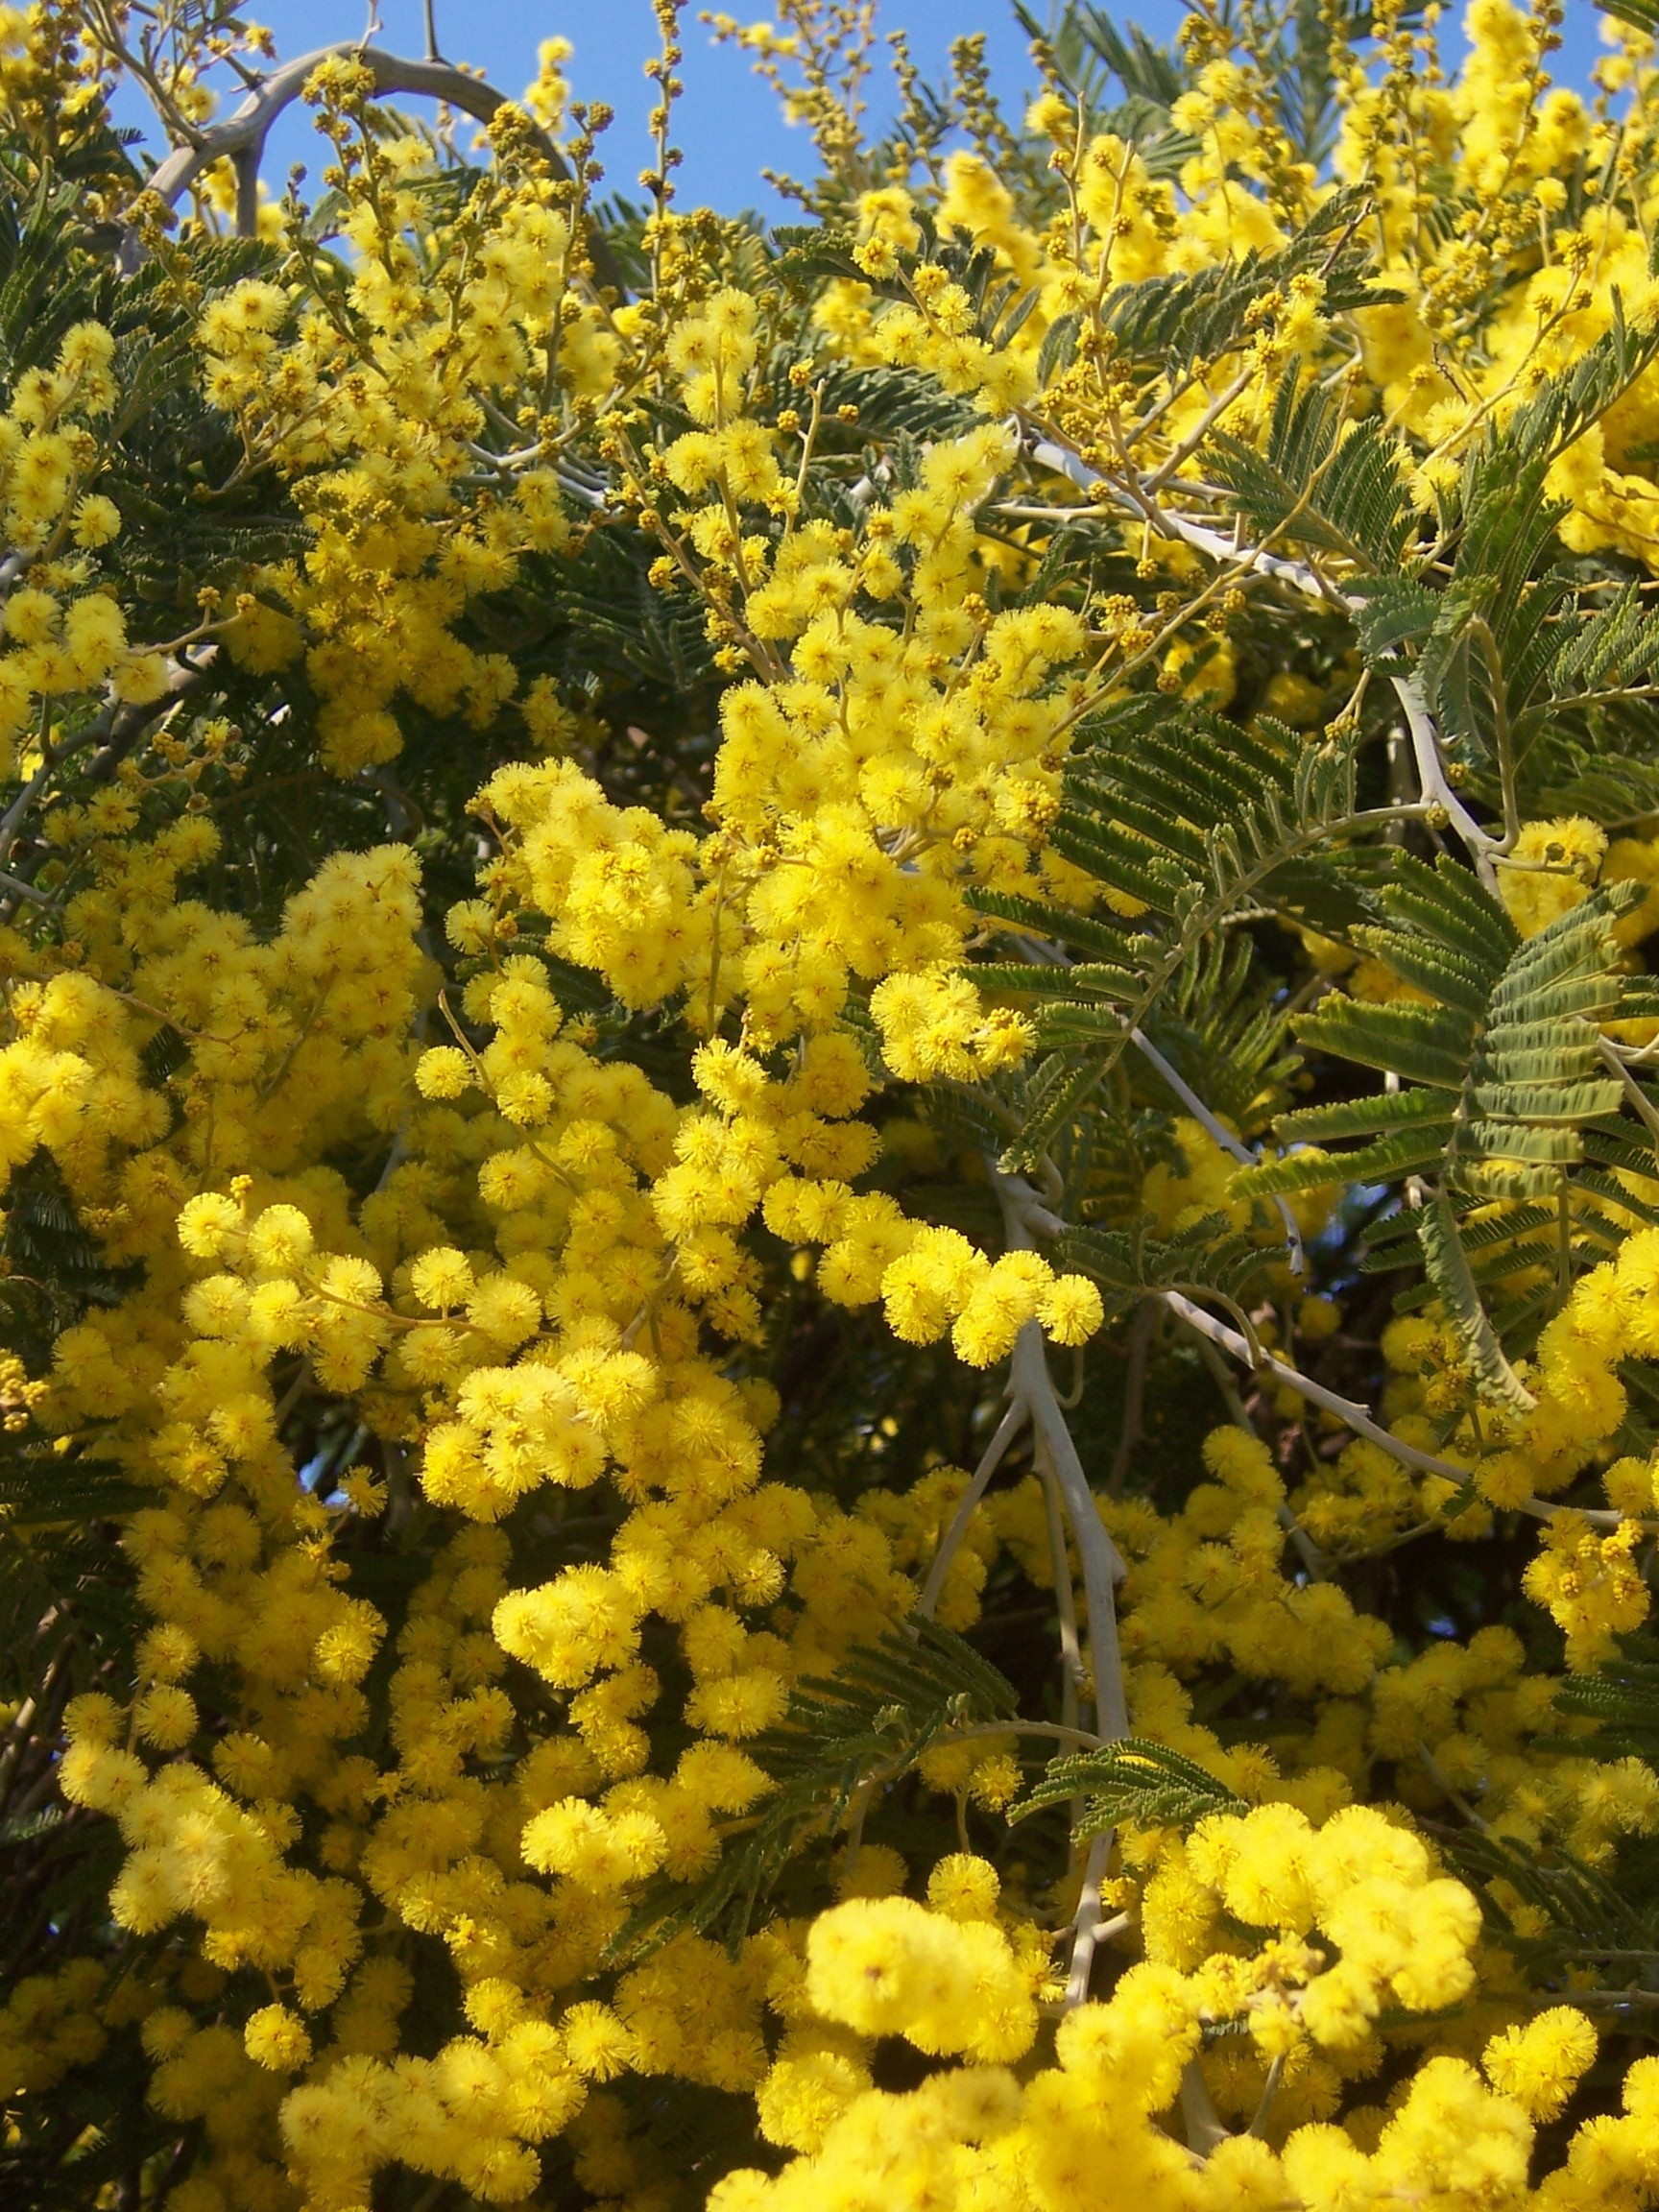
1010, 1426
1219, 1133
1269, 2090
1359, 1420
1065, 1597
1056, 957
1080, 1739
858, 1813
117, 730
1349, 1410
11, 820
1198, 2114
1431, 780
1087, 1929
38, 1707
1034, 1399
1452, 1795
1306, 1550
36, 897
1195, 437
1134, 1425
274, 1081
1633, 1090
1503, 740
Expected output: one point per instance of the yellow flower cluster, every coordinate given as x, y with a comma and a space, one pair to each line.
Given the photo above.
65, 629
50, 2024
1082, 2131
448, 1290
379, 438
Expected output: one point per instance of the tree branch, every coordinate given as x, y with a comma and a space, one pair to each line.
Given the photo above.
1056, 957
1480, 844
1219, 1134
1638, 1098
241, 137
244, 132
1103, 1564
1012, 1422
1347, 1409
1359, 1420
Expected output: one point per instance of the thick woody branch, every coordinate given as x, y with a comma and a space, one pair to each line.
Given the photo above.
241, 137
1034, 1400
1102, 1565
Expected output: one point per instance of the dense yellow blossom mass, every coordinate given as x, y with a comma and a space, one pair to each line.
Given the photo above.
514, 1215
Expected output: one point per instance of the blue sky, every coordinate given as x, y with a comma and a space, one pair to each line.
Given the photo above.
729, 129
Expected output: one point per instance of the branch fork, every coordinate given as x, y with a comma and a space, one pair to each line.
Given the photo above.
241, 137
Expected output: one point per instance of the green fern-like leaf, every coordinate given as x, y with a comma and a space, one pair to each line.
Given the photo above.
1176, 320
1129, 1264
1623, 1696
1174, 807
1583, 1911
1449, 1273
1511, 1046
1318, 482
1133, 1783
889, 1702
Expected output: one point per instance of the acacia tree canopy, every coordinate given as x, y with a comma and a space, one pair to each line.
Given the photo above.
829, 1320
